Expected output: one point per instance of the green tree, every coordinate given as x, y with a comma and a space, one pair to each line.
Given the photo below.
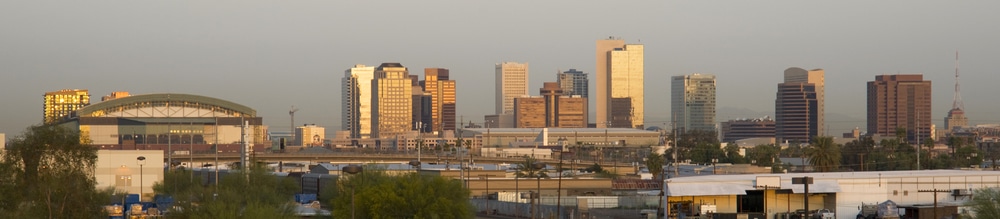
968, 156
255, 193
654, 162
764, 155
526, 169
47, 173
732, 152
823, 154
377, 194
853, 151
985, 204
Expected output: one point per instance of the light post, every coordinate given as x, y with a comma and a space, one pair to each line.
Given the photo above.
141, 160
352, 169
539, 166
714, 160
487, 178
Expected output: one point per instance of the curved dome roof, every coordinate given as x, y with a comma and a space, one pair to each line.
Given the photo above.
167, 99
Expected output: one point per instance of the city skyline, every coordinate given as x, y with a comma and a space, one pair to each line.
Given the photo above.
238, 53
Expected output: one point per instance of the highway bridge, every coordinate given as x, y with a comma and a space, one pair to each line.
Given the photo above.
369, 158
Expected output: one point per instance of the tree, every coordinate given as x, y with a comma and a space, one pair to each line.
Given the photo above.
654, 162
526, 169
823, 154
271, 196
732, 152
985, 203
854, 151
764, 155
47, 173
377, 194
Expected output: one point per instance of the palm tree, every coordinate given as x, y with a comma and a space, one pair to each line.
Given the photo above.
984, 203
823, 154
525, 169
654, 162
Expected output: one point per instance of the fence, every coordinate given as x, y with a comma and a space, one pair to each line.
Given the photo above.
595, 207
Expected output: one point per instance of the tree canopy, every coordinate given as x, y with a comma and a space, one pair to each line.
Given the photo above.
824, 154
47, 173
271, 196
377, 194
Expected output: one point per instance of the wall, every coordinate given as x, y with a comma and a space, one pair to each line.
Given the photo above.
112, 164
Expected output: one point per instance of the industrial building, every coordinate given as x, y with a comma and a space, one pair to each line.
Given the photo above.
840, 192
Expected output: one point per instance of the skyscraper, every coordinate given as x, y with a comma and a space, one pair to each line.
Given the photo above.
574, 82
356, 94
392, 90
511, 82
62, 103
799, 105
900, 101
619, 73
443, 102
692, 102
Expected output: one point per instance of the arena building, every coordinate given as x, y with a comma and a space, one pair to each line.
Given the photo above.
181, 123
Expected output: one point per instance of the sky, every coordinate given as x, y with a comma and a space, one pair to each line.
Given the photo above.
271, 55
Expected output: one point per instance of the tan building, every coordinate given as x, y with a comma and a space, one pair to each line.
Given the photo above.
552, 109
356, 97
529, 112
511, 82
63, 103
619, 73
900, 101
443, 102
123, 171
392, 101
309, 135
115, 95
798, 111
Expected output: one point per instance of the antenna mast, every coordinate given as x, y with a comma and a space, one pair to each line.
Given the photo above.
957, 104
291, 112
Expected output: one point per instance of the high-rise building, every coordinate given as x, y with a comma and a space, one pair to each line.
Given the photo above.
421, 110
356, 97
529, 112
511, 82
309, 135
441, 88
900, 101
692, 102
619, 73
574, 82
956, 116
733, 130
62, 103
799, 107
392, 101
551, 109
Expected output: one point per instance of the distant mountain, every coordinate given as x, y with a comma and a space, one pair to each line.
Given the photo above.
836, 123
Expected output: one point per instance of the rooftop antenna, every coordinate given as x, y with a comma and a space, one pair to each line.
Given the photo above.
957, 104
291, 112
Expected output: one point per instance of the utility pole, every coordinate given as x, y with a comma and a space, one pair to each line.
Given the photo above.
935, 191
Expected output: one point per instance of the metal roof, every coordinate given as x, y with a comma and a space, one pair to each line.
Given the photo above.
167, 97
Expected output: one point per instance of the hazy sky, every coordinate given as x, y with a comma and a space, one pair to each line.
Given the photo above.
270, 55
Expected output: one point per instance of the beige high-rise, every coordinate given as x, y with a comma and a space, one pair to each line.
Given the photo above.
817, 78
356, 94
511, 82
619, 74
392, 103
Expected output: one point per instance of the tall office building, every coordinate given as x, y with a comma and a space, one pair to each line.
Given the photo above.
356, 97
441, 88
574, 82
511, 82
422, 119
798, 108
62, 103
692, 102
900, 101
619, 73
551, 109
392, 101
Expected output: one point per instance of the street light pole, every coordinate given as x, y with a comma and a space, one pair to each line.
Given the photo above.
140, 160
